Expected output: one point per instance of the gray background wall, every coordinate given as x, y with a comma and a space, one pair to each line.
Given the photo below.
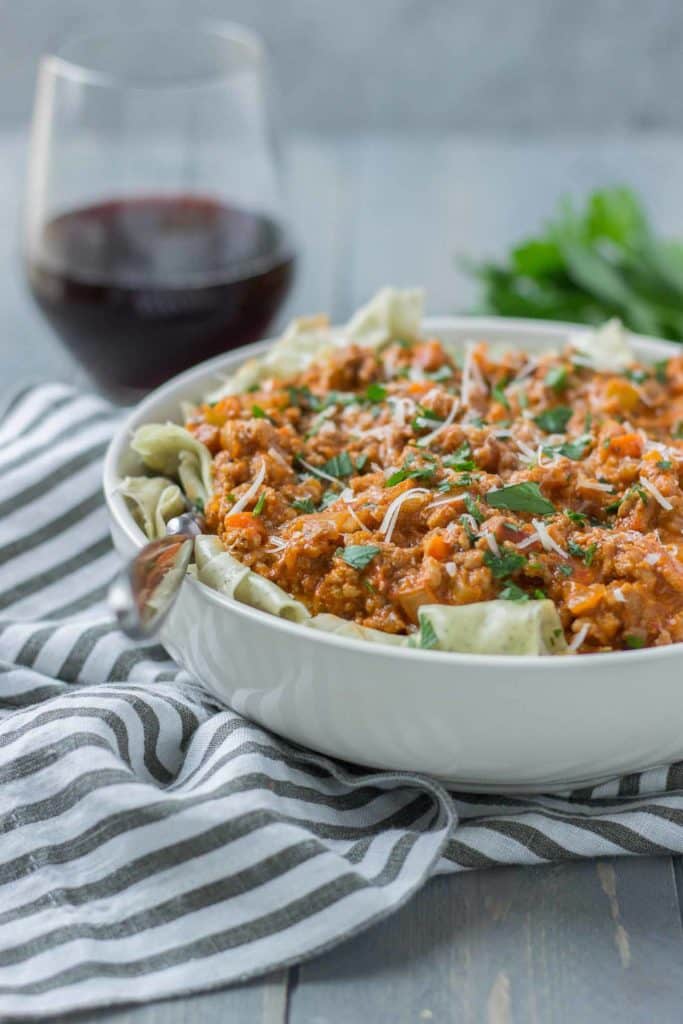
478, 66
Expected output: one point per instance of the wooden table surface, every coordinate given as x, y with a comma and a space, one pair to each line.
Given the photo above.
589, 942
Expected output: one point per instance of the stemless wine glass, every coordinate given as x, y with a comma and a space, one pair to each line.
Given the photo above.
155, 231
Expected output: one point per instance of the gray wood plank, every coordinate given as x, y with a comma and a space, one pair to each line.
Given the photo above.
258, 1002
586, 941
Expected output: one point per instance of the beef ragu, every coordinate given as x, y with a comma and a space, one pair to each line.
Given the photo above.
376, 482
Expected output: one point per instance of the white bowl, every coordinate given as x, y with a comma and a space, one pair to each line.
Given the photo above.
479, 721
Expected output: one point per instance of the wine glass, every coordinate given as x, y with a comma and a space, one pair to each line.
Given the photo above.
155, 227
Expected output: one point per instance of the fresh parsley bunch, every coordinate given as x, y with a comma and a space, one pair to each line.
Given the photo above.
592, 264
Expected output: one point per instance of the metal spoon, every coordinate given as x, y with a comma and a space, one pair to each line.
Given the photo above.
142, 594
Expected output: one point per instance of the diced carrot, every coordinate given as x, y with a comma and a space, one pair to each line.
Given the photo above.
623, 393
429, 354
437, 547
585, 599
626, 445
418, 387
242, 521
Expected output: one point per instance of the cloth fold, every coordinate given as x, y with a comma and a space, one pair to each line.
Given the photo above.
153, 843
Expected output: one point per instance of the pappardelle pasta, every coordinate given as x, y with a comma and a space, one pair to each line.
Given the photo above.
373, 482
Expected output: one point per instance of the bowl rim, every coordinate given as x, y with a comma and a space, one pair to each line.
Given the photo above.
122, 518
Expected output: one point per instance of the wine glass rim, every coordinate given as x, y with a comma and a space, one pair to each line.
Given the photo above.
81, 71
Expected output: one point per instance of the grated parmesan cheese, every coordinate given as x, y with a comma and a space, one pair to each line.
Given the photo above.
388, 524
656, 493
546, 540
251, 491
579, 638
424, 441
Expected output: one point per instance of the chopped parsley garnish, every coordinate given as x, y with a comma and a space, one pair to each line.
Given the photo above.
339, 465
639, 491
406, 473
586, 554
664, 464
557, 378
522, 398
375, 392
572, 449
445, 486
425, 418
258, 413
554, 421
566, 570
358, 556
258, 507
505, 564
428, 637
461, 459
576, 517
440, 375
637, 376
465, 523
511, 592
305, 505
361, 461
369, 586
541, 595
525, 497
199, 504
327, 499
473, 508
498, 393
633, 641
304, 398
660, 368
678, 430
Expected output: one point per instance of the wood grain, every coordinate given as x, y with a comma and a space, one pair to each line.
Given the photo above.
588, 941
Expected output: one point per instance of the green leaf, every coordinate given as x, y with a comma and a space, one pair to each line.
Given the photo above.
259, 506
498, 393
633, 641
525, 497
537, 257
580, 518
361, 461
473, 508
358, 556
339, 465
505, 564
304, 505
406, 473
327, 499
511, 592
554, 421
375, 393
557, 378
258, 413
573, 449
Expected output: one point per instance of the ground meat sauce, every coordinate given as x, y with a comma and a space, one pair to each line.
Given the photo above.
598, 528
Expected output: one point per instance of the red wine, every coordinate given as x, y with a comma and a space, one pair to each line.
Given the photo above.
142, 288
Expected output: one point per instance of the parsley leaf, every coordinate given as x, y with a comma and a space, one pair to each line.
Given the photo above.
406, 473
304, 505
461, 459
375, 392
557, 378
633, 641
258, 507
576, 517
505, 564
525, 497
360, 462
512, 592
358, 556
572, 449
566, 570
473, 508
339, 465
554, 421
660, 368
498, 393
327, 499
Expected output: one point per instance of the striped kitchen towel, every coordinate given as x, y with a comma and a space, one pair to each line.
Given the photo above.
152, 843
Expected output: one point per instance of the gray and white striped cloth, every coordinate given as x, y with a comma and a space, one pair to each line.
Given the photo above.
152, 843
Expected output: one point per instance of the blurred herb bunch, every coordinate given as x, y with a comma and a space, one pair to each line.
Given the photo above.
591, 264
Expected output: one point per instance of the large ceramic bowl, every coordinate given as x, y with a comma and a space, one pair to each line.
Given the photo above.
495, 722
